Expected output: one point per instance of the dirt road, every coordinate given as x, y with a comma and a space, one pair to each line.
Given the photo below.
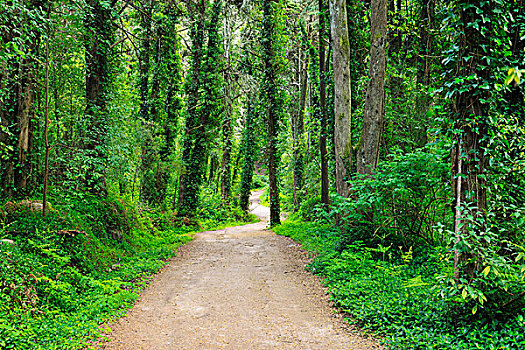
238, 288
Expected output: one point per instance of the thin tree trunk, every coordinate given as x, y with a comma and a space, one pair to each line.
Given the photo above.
227, 116
423, 75
298, 125
46, 123
373, 120
248, 147
322, 103
468, 156
342, 96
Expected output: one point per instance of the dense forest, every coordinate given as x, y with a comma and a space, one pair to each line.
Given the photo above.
390, 133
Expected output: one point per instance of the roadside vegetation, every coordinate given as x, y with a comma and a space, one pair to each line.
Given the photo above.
62, 276
386, 255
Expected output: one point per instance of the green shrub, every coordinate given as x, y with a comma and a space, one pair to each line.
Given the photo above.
390, 291
402, 203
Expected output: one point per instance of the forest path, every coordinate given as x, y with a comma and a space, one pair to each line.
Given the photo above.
238, 288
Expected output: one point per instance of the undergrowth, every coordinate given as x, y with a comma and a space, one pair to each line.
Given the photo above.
389, 291
63, 275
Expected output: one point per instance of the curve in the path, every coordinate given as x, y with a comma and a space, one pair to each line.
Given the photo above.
239, 288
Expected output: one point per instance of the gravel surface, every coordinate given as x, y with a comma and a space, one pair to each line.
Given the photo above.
239, 288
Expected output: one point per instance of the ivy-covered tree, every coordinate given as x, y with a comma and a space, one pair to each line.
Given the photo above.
273, 65
203, 107
98, 38
322, 108
248, 153
19, 53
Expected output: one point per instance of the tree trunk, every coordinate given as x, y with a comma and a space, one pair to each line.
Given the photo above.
298, 123
146, 19
396, 60
342, 96
46, 124
471, 119
203, 105
248, 150
270, 72
17, 111
97, 42
322, 103
191, 176
423, 74
373, 120
227, 116
174, 104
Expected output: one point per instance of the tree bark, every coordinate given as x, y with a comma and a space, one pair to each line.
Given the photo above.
342, 96
373, 120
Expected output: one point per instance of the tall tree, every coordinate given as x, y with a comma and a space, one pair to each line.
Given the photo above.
98, 38
227, 130
20, 39
323, 113
204, 103
342, 98
299, 116
193, 162
373, 119
471, 124
271, 55
248, 151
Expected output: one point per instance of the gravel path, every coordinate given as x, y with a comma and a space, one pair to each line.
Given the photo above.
239, 288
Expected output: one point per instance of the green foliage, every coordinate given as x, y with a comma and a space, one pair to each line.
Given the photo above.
390, 291
402, 203
213, 212
83, 264
495, 266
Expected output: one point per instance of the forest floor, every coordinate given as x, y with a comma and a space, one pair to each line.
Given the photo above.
238, 288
